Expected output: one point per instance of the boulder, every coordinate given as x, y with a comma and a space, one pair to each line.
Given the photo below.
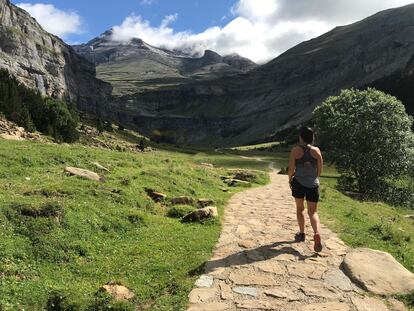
155, 195
118, 292
200, 214
204, 203
182, 200
244, 175
82, 173
377, 272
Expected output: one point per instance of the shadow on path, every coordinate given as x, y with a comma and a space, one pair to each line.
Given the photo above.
249, 256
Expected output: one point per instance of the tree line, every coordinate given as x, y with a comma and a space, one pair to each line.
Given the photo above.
29, 109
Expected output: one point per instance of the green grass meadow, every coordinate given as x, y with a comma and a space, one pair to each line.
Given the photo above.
62, 234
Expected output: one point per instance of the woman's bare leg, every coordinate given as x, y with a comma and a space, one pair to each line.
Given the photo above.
300, 214
313, 216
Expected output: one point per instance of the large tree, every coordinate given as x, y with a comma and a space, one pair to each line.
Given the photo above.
367, 134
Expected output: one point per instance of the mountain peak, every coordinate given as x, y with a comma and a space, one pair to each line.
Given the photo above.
212, 56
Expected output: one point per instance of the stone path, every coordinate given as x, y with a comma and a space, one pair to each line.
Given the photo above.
258, 266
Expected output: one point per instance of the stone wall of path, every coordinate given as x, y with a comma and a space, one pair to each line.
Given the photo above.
258, 266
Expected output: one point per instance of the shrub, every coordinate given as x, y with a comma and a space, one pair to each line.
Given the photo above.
100, 125
367, 134
141, 145
408, 299
104, 302
59, 302
62, 123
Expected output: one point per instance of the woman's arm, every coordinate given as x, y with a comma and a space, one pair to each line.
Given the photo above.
292, 164
320, 162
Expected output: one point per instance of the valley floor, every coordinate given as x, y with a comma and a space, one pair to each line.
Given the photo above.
62, 237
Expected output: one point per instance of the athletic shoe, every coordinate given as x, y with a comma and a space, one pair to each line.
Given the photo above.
317, 247
300, 237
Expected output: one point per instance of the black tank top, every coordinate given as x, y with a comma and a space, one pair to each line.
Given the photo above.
306, 171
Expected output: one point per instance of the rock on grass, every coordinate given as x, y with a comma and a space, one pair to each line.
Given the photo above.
201, 214
118, 292
182, 200
155, 195
82, 173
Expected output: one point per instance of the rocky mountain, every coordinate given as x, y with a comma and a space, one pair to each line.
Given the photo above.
135, 66
400, 84
43, 61
251, 106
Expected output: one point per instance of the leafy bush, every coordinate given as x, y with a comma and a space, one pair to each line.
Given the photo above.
367, 134
29, 109
59, 302
179, 211
61, 123
104, 302
408, 299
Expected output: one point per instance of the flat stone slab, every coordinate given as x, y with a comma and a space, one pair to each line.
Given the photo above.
225, 291
200, 295
328, 306
336, 278
369, 304
205, 281
378, 272
271, 267
250, 291
211, 306
313, 271
250, 278
258, 305
79, 172
280, 292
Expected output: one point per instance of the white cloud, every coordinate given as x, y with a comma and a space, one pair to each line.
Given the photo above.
54, 20
260, 29
147, 2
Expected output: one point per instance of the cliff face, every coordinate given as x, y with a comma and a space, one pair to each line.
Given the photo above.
252, 106
43, 61
400, 84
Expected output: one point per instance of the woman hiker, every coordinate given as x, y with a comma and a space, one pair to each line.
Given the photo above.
305, 167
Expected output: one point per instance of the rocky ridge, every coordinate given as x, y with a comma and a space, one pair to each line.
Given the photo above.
253, 106
134, 65
44, 62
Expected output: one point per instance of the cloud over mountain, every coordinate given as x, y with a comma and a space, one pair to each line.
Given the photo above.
259, 29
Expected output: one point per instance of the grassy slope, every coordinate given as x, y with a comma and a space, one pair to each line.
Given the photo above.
368, 224
108, 231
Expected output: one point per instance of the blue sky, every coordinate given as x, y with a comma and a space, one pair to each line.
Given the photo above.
98, 16
257, 29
